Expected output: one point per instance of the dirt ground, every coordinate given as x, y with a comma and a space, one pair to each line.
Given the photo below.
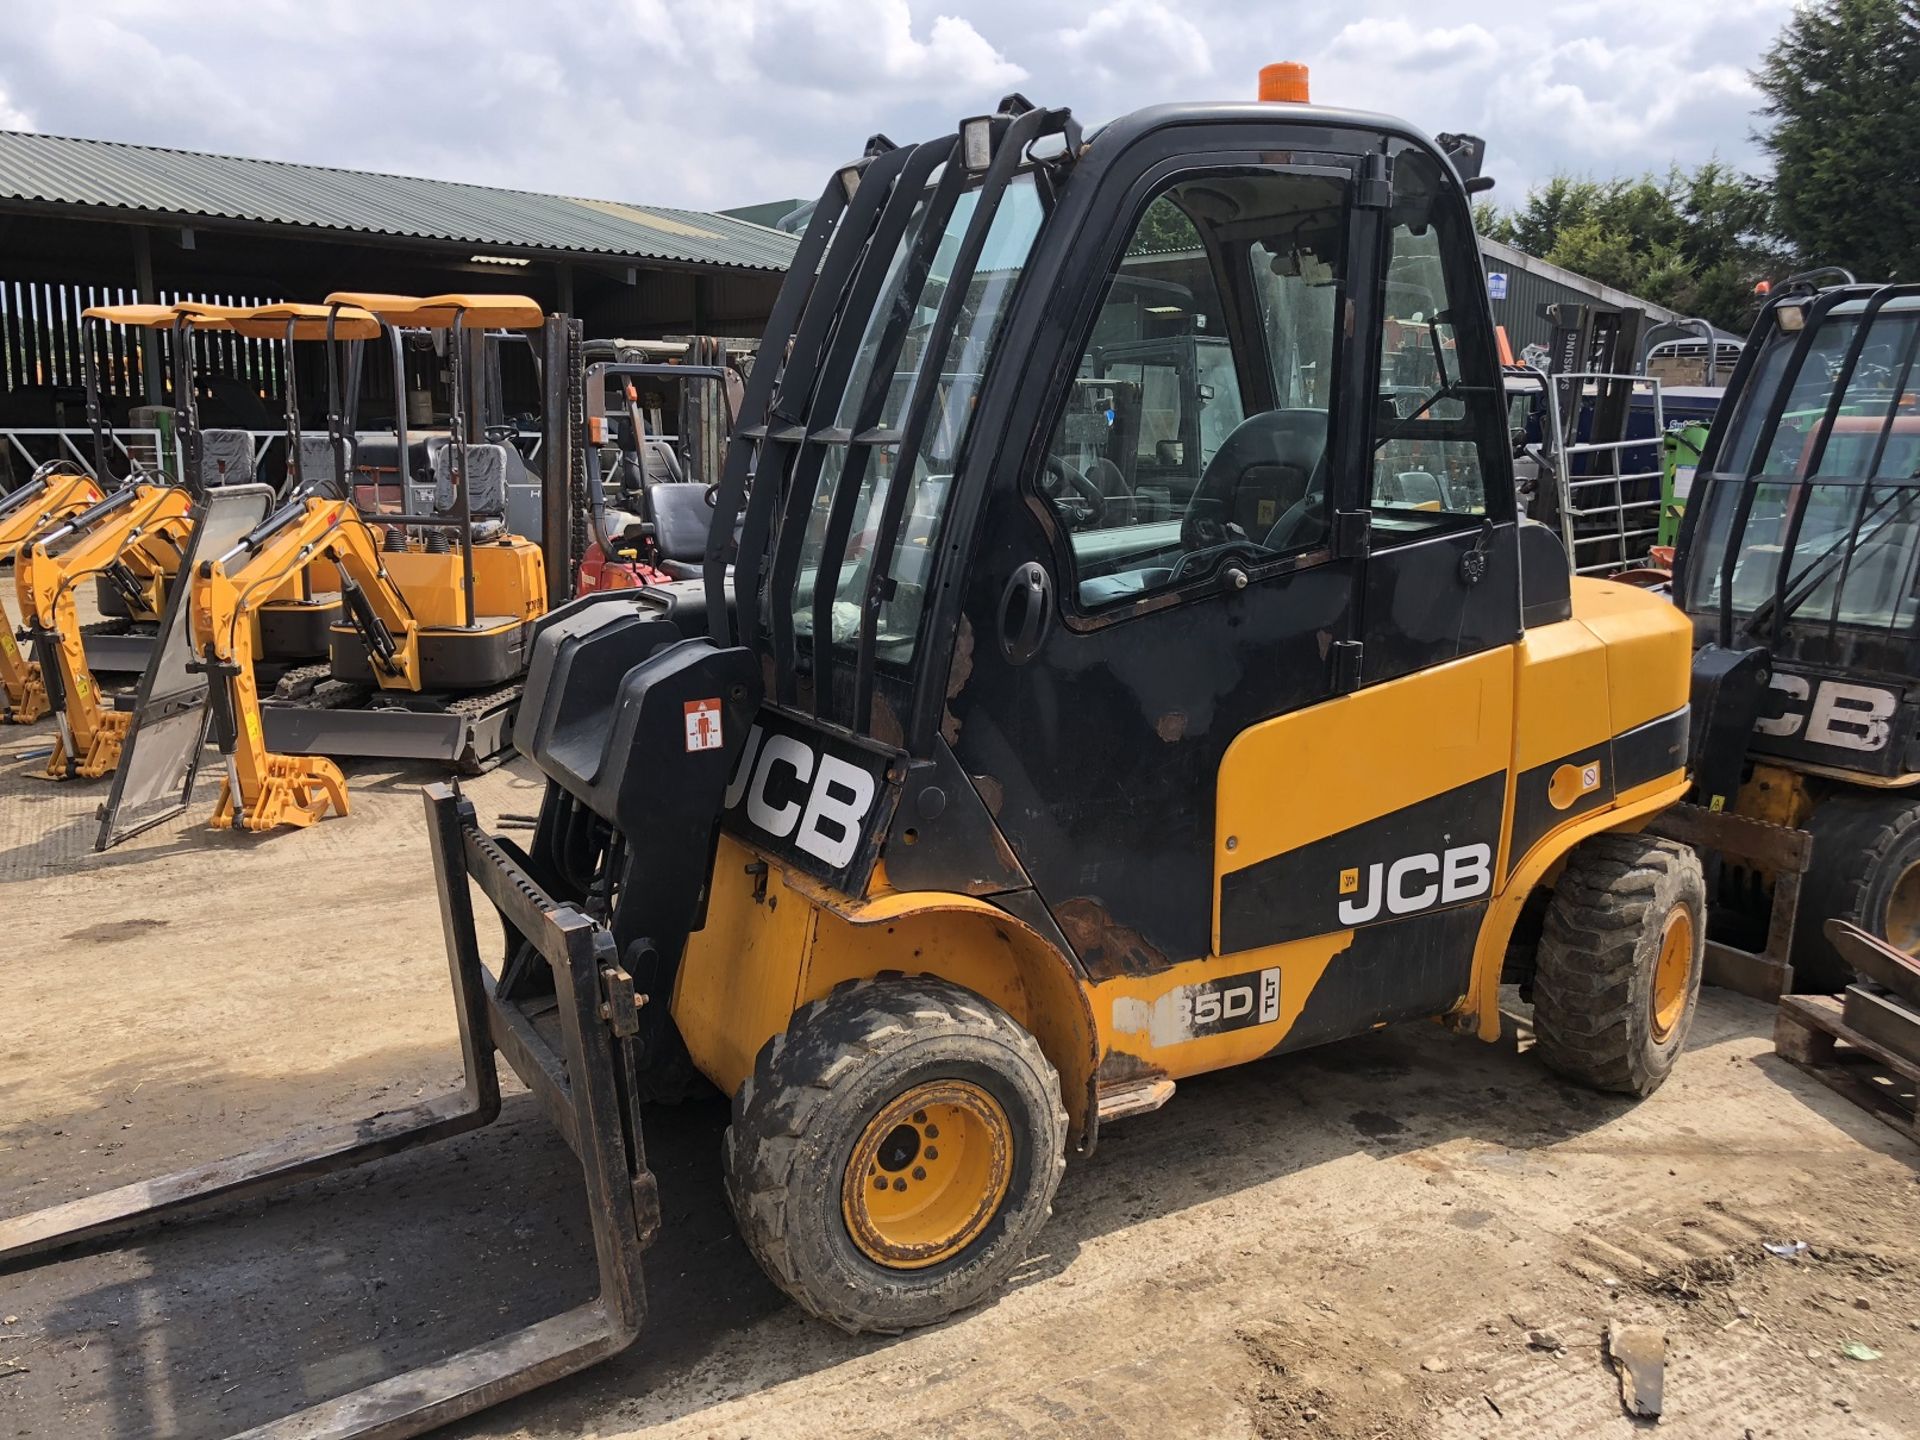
1407, 1235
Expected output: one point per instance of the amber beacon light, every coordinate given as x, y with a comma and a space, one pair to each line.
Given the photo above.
1286, 81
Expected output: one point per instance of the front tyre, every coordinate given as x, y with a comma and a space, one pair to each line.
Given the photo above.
1617, 972
1865, 869
895, 1152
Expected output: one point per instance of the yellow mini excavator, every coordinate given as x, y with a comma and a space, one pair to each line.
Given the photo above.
436, 624
55, 493
1014, 760
129, 542
138, 519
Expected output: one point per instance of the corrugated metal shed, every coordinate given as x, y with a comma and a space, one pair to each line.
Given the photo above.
182, 186
1533, 283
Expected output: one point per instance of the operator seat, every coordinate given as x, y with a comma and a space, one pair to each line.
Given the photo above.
681, 520
226, 458
1270, 479
317, 473
487, 470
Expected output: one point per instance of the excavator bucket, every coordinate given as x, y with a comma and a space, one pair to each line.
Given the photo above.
564, 1015
161, 754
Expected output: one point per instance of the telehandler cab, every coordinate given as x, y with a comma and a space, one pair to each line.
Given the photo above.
1797, 564
953, 816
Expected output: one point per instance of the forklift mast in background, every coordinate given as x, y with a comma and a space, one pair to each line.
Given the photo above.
1605, 490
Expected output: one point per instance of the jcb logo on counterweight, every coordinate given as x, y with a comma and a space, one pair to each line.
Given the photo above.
1840, 713
801, 794
1416, 882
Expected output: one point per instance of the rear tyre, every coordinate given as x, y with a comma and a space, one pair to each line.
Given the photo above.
1865, 869
895, 1152
1617, 973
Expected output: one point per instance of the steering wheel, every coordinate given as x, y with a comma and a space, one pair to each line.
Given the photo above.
1076, 497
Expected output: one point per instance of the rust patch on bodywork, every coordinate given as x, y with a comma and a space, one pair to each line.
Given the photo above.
1171, 726
958, 673
1106, 948
992, 793
886, 727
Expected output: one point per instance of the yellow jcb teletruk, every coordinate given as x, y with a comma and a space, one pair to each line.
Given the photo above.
1018, 756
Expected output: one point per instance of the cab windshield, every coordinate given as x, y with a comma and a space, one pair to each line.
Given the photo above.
995, 277
1831, 485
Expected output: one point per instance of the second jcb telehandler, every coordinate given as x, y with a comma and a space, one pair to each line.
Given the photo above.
1799, 567
955, 815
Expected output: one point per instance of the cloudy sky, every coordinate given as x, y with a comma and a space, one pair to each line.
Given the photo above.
706, 103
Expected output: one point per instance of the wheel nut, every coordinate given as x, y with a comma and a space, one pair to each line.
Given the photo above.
880, 1184
900, 1185
933, 1132
932, 1153
919, 1172
919, 1117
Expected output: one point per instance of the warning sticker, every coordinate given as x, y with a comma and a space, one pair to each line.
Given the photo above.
703, 725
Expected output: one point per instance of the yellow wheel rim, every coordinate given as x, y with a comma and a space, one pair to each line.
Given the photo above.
927, 1175
1903, 911
1672, 971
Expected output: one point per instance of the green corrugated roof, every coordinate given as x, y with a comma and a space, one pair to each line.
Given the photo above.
145, 179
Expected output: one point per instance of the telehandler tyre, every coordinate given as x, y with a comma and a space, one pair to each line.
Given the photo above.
1617, 971
895, 1152
1865, 869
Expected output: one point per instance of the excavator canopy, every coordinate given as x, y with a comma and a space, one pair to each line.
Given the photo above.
437, 312
160, 317
308, 322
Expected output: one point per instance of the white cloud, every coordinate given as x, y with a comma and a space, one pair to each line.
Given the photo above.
869, 45
1401, 45
1128, 40
720, 102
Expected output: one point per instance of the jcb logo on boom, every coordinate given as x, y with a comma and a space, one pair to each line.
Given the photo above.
1416, 882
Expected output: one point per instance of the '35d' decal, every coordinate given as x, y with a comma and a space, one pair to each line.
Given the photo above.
1206, 1007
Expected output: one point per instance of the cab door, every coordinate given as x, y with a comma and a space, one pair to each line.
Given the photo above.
1267, 741
1111, 646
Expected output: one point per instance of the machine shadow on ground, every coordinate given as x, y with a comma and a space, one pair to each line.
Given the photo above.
215, 1324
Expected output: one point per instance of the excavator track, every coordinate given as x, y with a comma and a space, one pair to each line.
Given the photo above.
486, 704
330, 694
301, 681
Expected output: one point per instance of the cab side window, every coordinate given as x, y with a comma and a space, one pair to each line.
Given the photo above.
1194, 432
1428, 469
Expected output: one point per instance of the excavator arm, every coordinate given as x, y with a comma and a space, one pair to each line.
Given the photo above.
263, 790
47, 573
41, 502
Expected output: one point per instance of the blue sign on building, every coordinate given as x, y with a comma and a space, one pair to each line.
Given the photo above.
1497, 284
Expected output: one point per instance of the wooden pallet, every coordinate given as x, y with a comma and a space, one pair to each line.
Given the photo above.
1810, 1032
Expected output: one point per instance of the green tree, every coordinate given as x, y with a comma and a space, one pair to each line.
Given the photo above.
1843, 91
1695, 242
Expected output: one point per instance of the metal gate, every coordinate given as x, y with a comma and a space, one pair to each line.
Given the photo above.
161, 755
